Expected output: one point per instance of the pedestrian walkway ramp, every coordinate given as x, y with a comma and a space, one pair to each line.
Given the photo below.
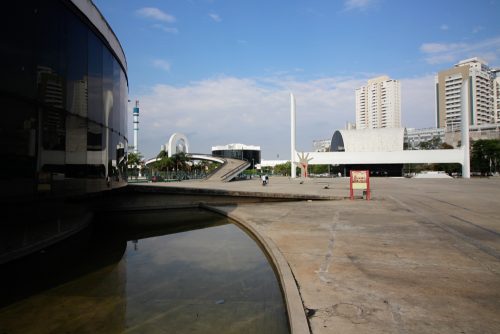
228, 170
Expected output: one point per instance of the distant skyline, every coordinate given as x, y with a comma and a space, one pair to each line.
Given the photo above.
221, 71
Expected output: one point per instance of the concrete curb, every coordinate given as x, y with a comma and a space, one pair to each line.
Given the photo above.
295, 309
232, 193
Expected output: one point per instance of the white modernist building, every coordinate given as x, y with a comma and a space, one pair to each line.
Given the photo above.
368, 140
482, 94
394, 153
378, 104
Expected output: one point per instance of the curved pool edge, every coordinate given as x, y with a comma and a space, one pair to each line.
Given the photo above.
295, 308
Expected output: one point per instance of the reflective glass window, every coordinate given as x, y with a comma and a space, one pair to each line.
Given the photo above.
19, 130
50, 50
76, 71
95, 91
116, 97
53, 129
107, 87
17, 59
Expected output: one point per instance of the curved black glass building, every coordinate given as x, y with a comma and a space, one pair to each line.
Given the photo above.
337, 143
64, 94
249, 153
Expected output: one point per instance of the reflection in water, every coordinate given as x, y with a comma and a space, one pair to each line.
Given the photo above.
204, 275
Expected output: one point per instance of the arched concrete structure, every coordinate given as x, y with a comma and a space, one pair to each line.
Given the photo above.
368, 140
173, 141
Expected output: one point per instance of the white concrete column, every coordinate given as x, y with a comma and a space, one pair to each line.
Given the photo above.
464, 102
292, 135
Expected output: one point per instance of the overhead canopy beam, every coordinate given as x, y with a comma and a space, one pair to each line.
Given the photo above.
398, 157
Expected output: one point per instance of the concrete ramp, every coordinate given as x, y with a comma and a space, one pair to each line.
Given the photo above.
229, 170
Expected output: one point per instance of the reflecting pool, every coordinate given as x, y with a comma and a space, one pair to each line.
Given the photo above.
173, 271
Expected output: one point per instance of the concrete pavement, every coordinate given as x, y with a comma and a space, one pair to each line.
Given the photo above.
423, 256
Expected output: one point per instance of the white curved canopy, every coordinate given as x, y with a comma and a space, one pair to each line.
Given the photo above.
373, 140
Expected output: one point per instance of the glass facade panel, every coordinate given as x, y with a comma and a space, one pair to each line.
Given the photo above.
19, 130
17, 63
95, 95
76, 77
65, 96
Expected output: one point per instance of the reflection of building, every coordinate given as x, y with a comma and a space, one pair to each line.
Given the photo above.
64, 84
64, 93
249, 153
378, 104
481, 94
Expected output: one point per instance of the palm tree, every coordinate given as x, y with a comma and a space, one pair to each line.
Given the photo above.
165, 163
162, 154
180, 160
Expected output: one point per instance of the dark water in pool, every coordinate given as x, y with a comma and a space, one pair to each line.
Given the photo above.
157, 272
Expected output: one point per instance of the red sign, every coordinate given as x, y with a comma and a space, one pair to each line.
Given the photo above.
360, 179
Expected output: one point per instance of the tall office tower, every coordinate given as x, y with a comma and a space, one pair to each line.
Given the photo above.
481, 97
378, 104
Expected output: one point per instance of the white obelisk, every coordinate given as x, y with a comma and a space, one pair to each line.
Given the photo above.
292, 135
464, 102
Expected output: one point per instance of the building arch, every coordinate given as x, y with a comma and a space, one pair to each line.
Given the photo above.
172, 143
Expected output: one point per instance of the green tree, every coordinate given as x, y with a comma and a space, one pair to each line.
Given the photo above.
134, 159
134, 163
318, 169
180, 161
285, 169
165, 164
162, 154
485, 156
432, 144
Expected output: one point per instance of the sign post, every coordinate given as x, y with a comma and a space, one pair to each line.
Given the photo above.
360, 179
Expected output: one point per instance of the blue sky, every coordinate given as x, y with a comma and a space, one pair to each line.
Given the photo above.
221, 71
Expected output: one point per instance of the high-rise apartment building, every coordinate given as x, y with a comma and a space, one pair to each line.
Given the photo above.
483, 106
378, 104
496, 95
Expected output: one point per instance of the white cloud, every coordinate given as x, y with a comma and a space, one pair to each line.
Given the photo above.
253, 111
477, 29
444, 27
162, 64
215, 17
170, 30
418, 102
156, 14
437, 53
225, 110
358, 4
441, 47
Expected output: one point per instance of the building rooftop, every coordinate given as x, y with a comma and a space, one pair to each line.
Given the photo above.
235, 146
